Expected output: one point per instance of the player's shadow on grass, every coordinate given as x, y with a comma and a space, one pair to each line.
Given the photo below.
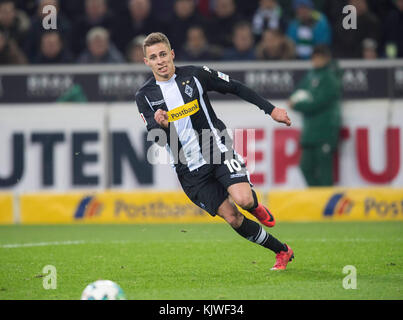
307, 274
319, 274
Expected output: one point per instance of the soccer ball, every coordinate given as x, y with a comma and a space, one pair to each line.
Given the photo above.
103, 290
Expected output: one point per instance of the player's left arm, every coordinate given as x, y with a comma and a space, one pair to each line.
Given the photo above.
220, 82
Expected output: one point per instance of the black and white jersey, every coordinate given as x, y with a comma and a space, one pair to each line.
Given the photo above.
190, 113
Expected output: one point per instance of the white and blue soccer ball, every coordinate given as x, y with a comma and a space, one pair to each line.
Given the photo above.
103, 290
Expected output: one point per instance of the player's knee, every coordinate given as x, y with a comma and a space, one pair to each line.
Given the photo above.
245, 201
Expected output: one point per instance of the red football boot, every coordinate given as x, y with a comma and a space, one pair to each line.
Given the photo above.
282, 259
264, 216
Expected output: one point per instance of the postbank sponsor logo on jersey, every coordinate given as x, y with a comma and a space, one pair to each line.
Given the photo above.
183, 111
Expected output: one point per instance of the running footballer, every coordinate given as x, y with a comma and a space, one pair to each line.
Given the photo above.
213, 176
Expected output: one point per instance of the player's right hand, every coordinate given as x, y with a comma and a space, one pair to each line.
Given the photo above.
161, 117
280, 115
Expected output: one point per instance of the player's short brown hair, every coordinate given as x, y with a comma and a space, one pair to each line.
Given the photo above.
154, 38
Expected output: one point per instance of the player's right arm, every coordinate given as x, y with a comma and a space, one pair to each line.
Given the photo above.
154, 120
146, 111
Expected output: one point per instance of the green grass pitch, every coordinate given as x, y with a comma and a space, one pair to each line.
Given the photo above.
203, 261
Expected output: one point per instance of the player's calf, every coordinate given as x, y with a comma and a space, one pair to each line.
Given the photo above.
229, 212
254, 232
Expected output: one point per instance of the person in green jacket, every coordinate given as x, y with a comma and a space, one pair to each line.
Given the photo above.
74, 94
318, 98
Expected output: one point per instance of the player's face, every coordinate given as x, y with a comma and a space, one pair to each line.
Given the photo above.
161, 61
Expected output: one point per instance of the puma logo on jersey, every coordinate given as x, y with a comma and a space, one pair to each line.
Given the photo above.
183, 111
206, 69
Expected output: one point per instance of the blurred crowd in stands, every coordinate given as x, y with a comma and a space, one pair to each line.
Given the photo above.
112, 31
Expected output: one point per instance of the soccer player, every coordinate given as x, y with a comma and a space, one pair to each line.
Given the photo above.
175, 102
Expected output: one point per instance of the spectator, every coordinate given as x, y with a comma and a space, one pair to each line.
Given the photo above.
248, 8
221, 25
164, 10
100, 49
393, 29
52, 50
13, 23
269, 15
28, 6
134, 52
138, 21
334, 11
275, 46
10, 53
185, 15
32, 44
243, 44
96, 15
310, 28
348, 43
197, 47
369, 49
203, 6
72, 9
381, 8
318, 99
119, 8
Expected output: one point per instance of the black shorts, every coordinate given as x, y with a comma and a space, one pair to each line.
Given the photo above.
207, 186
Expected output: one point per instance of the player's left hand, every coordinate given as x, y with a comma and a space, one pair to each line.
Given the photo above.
280, 115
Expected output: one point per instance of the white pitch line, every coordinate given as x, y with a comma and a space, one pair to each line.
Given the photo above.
58, 243
77, 242
42, 244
